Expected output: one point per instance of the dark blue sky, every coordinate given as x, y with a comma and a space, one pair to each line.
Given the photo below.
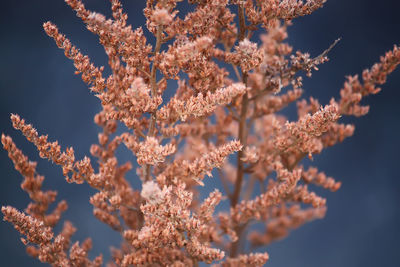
361, 226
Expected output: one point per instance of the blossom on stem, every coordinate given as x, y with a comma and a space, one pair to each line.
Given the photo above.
151, 152
200, 105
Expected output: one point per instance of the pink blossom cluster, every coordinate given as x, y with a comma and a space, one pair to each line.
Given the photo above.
223, 120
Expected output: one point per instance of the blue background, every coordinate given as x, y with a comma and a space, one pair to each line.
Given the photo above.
362, 224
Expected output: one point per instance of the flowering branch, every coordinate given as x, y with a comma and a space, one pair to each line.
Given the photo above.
225, 113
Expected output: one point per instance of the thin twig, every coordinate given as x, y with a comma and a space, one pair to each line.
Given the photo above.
290, 72
153, 82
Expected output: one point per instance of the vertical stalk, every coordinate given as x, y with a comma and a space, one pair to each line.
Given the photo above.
242, 135
153, 83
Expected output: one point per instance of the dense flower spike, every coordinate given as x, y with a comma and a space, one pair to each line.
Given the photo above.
151, 152
223, 119
90, 74
353, 90
201, 105
253, 259
32, 184
35, 230
52, 151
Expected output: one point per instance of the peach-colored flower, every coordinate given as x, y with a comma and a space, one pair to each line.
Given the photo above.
223, 119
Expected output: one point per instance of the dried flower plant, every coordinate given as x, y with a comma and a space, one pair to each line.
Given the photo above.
230, 88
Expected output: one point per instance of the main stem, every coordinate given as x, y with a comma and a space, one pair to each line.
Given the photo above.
153, 83
242, 135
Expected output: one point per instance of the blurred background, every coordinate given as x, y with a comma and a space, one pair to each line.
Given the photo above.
362, 223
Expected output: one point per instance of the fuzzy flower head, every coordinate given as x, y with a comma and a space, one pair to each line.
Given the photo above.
152, 193
162, 17
247, 55
151, 152
138, 88
247, 47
